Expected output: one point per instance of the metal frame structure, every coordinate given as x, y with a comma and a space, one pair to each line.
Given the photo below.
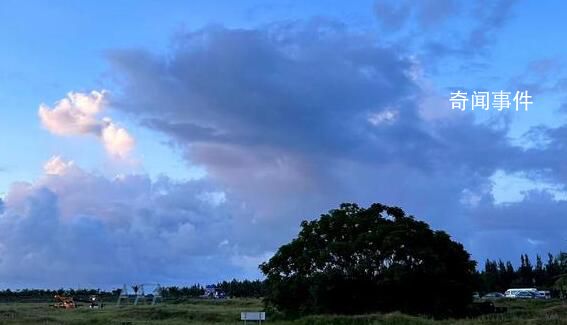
139, 294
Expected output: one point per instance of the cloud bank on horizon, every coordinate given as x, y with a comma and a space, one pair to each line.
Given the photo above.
289, 119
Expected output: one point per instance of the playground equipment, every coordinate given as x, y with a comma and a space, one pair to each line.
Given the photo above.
139, 296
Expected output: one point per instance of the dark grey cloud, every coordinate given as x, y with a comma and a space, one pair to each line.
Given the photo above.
304, 90
538, 212
541, 77
393, 15
547, 157
490, 16
534, 225
433, 12
295, 118
273, 103
449, 29
235, 84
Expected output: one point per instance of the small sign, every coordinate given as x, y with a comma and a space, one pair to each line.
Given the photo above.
253, 315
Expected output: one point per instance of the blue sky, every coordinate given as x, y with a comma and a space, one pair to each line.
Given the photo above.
222, 125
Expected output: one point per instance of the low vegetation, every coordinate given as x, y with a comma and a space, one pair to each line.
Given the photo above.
228, 312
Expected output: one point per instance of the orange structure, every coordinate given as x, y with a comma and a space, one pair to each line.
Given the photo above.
64, 302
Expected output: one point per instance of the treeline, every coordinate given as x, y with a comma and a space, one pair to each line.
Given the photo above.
44, 295
497, 275
183, 292
243, 289
500, 276
234, 288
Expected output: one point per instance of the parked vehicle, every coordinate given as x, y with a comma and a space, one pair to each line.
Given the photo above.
543, 294
493, 296
511, 293
525, 295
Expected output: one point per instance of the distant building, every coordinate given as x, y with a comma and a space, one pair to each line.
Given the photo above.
211, 291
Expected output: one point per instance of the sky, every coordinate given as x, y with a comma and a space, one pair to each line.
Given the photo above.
183, 142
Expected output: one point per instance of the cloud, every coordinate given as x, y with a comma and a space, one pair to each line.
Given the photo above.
302, 116
56, 166
73, 115
444, 29
270, 112
77, 114
537, 218
491, 16
289, 120
385, 117
394, 15
121, 230
117, 141
277, 109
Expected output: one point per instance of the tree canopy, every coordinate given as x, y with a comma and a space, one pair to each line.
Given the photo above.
357, 260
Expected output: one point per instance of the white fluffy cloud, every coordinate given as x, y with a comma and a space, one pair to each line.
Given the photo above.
78, 114
56, 166
117, 141
74, 114
384, 117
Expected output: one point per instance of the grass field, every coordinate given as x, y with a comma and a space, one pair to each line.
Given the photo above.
228, 312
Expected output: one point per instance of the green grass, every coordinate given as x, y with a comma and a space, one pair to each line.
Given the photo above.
228, 312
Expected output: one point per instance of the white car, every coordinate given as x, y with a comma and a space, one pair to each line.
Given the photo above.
525, 295
511, 293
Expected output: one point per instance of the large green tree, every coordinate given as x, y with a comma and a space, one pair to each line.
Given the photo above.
356, 260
